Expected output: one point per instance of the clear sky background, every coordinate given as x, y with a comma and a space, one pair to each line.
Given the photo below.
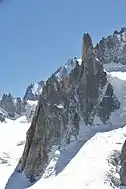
38, 36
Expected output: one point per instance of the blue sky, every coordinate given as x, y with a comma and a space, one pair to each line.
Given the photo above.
38, 36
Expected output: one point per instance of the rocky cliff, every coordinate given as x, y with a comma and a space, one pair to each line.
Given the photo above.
75, 93
112, 48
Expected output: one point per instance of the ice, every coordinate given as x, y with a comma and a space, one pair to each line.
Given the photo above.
79, 61
60, 106
11, 134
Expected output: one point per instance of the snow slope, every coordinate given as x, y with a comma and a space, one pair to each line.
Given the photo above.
12, 140
88, 169
118, 80
84, 164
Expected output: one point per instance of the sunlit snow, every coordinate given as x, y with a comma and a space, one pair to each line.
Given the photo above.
88, 169
84, 163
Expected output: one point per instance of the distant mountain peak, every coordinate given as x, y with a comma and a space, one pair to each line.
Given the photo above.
111, 49
33, 91
13, 107
64, 71
123, 29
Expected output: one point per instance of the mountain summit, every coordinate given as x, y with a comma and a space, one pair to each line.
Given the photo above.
75, 123
71, 100
86, 45
110, 50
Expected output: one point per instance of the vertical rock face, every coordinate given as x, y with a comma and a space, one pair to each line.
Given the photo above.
19, 106
76, 92
86, 44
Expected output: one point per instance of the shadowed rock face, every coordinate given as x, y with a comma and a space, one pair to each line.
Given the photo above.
10, 106
7, 103
86, 44
63, 103
123, 164
2, 117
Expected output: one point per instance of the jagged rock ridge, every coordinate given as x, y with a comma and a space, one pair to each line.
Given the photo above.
13, 107
33, 91
79, 91
108, 50
112, 48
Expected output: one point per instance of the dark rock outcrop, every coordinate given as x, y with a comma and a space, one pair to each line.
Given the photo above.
13, 107
7, 102
68, 97
19, 106
108, 50
123, 164
2, 117
86, 45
